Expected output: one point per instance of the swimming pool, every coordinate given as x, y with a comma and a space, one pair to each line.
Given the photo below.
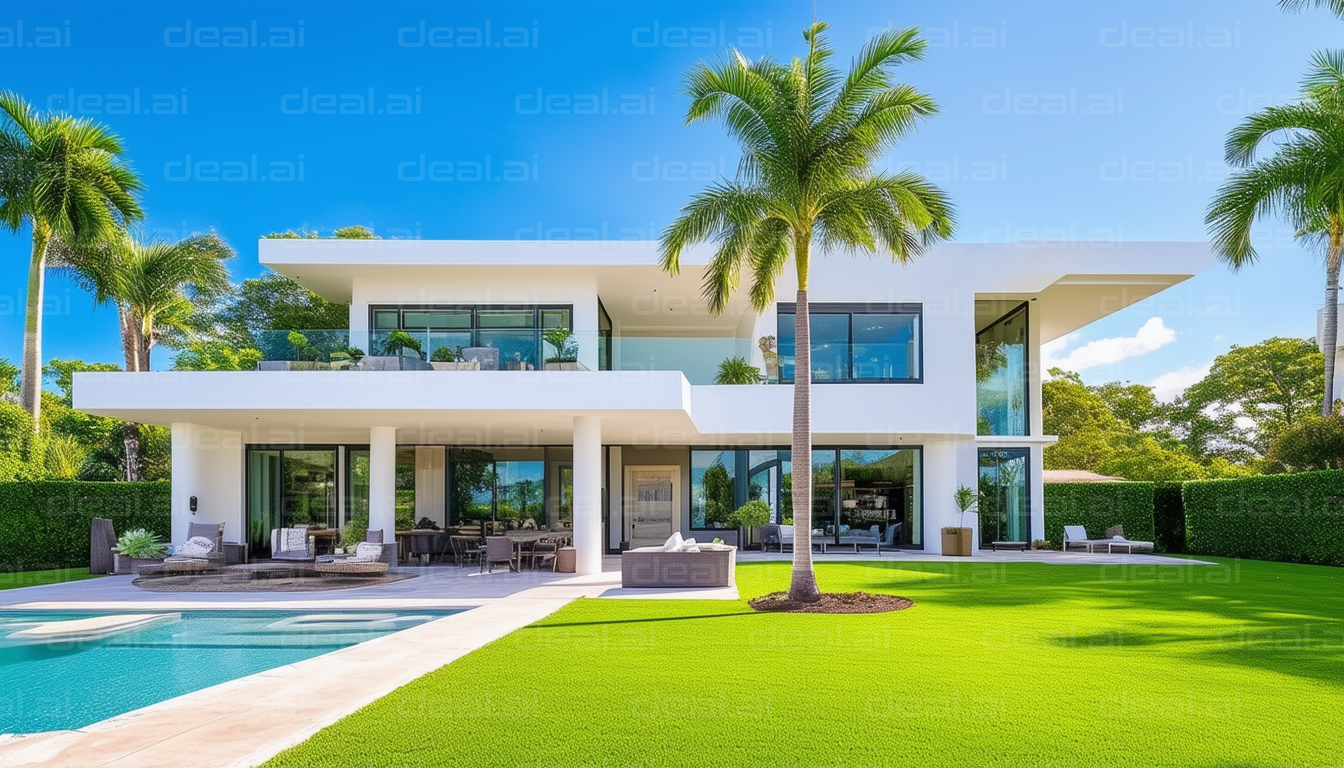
67, 670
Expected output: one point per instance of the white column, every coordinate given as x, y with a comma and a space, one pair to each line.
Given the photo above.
383, 481
588, 493
186, 478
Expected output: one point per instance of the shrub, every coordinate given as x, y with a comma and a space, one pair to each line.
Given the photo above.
1290, 518
398, 341
46, 524
1168, 518
21, 454
736, 370
751, 514
1098, 506
443, 355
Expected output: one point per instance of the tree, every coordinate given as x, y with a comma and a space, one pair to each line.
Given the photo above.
273, 302
718, 494
9, 377
61, 176
1293, 6
1133, 404
154, 286
1313, 443
809, 138
62, 373
216, 356
1301, 182
1250, 395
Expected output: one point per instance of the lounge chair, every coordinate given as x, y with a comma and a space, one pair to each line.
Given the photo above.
776, 535
215, 533
1117, 539
292, 544
1076, 536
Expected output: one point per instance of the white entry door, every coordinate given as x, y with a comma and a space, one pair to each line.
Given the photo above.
651, 503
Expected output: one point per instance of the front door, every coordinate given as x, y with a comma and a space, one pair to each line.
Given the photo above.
651, 503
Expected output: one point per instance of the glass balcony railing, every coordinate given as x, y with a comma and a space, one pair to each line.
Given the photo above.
698, 358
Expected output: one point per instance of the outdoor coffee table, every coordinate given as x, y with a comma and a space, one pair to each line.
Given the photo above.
177, 567
1020, 546
348, 567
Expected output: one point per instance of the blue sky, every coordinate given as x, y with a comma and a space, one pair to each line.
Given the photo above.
1098, 120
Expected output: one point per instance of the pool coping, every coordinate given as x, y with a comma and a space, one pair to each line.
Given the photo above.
236, 718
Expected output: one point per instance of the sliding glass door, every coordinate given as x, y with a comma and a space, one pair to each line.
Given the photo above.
1005, 502
289, 487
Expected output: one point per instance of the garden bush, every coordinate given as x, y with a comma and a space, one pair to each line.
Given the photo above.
1168, 518
1296, 518
45, 524
1098, 506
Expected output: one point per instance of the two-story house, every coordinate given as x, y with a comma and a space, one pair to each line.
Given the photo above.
927, 377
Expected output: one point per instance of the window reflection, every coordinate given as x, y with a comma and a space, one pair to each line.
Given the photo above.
1001, 376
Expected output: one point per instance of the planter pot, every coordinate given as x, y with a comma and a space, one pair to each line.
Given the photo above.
292, 365
393, 363
957, 542
564, 365
472, 365
123, 564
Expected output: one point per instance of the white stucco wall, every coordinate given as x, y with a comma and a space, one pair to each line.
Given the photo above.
207, 464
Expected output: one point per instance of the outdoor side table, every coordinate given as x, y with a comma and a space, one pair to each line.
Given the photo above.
567, 560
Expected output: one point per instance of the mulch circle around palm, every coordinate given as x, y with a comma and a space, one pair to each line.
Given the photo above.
833, 602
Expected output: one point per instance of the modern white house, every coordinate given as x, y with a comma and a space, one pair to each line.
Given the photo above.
927, 377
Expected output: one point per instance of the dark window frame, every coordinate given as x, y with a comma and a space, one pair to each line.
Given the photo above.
740, 484
1025, 309
1016, 450
859, 308
337, 478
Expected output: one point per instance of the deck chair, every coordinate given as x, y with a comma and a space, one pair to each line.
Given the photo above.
1076, 536
1117, 539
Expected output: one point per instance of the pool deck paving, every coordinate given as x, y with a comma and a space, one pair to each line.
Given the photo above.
237, 719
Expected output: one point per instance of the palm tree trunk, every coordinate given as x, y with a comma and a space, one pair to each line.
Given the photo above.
30, 389
136, 346
803, 584
1330, 331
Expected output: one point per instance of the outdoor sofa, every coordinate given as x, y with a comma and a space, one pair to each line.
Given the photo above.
679, 563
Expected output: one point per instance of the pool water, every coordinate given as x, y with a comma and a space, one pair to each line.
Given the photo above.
54, 678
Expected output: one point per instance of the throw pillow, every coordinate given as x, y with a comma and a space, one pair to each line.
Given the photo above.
367, 553
196, 546
295, 540
687, 545
673, 542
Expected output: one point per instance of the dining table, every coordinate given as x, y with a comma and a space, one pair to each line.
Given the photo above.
521, 537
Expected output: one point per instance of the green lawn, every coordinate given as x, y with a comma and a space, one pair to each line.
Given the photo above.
1022, 664
14, 580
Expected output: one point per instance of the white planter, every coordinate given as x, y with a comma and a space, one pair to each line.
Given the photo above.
470, 365
564, 365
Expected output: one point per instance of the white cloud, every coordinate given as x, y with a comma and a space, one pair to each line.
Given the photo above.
1153, 335
1169, 386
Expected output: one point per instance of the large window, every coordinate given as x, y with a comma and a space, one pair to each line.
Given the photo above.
856, 342
1005, 501
505, 484
289, 487
1001, 380
515, 331
876, 499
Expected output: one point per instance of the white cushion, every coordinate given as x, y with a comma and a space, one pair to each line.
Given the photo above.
366, 552
688, 545
673, 542
294, 540
196, 546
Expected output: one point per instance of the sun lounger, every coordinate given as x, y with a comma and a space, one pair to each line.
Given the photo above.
1076, 536
1117, 539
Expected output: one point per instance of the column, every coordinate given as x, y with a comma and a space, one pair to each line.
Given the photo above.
588, 493
383, 481
186, 480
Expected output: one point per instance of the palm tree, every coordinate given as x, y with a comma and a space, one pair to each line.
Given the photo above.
62, 176
154, 286
1293, 6
809, 138
1301, 182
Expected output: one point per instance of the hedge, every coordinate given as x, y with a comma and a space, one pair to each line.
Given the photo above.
1169, 518
1296, 518
1098, 506
45, 524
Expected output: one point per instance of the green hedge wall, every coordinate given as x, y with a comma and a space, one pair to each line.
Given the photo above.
1296, 518
1098, 506
45, 524
1168, 518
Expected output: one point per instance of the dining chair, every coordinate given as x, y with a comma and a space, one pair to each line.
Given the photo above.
498, 549
544, 550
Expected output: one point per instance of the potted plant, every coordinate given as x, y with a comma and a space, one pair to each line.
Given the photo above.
753, 514
566, 357
767, 346
345, 359
398, 342
957, 541
136, 548
736, 370
394, 355
446, 359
